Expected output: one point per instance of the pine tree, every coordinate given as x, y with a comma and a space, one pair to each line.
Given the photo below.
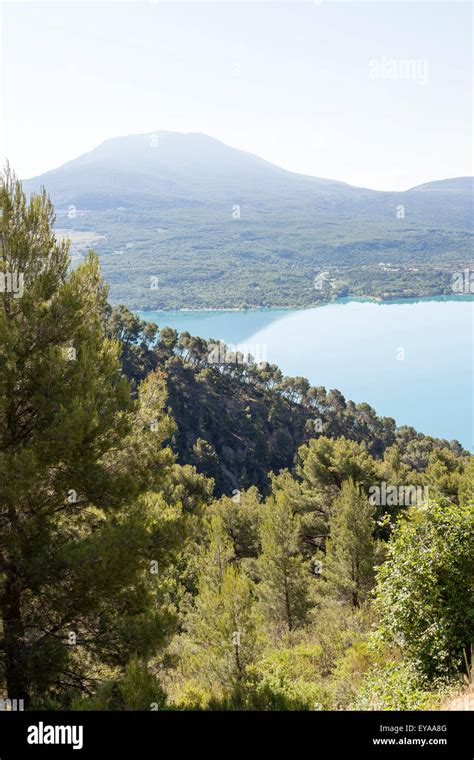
221, 638
284, 580
240, 516
77, 453
466, 483
350, 550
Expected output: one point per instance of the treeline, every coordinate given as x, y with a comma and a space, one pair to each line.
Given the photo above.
237, 420
180, 535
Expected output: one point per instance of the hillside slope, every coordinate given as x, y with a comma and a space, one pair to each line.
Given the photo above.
182, 220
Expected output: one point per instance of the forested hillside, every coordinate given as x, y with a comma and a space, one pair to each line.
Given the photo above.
183, 532
237, 421
185, 221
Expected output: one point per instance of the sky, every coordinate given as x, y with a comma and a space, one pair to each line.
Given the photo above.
376, 94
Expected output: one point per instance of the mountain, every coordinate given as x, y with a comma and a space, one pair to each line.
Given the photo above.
167, 167
174, 168
216, 226
456, 185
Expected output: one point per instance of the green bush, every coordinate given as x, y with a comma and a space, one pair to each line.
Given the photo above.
397, 686
138, 689
424, 593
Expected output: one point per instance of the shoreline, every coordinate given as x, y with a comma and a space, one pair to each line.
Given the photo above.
337, 301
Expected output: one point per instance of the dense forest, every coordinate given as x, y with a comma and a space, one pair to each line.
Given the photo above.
203, 258
237, 421
180, 532
220, 228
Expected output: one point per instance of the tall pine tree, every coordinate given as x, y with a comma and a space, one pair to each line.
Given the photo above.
221, 638
348, 568
76, 456
284, 578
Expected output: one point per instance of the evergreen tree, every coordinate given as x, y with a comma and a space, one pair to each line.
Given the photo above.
466, 483
76, 456
221, 637
348, 567
310, 504
241, 516
443, 473
284, 579
325, 463
136, 338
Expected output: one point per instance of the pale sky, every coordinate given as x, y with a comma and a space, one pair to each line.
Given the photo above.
305, 85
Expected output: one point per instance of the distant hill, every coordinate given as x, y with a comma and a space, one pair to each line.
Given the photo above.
183, 220
167, 167
456, 184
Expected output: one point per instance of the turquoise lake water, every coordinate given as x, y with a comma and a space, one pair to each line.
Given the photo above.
410, 360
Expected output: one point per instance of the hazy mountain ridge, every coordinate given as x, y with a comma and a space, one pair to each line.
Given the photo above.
221, 227
145, 167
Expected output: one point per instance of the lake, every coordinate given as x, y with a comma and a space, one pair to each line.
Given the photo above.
410, 360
